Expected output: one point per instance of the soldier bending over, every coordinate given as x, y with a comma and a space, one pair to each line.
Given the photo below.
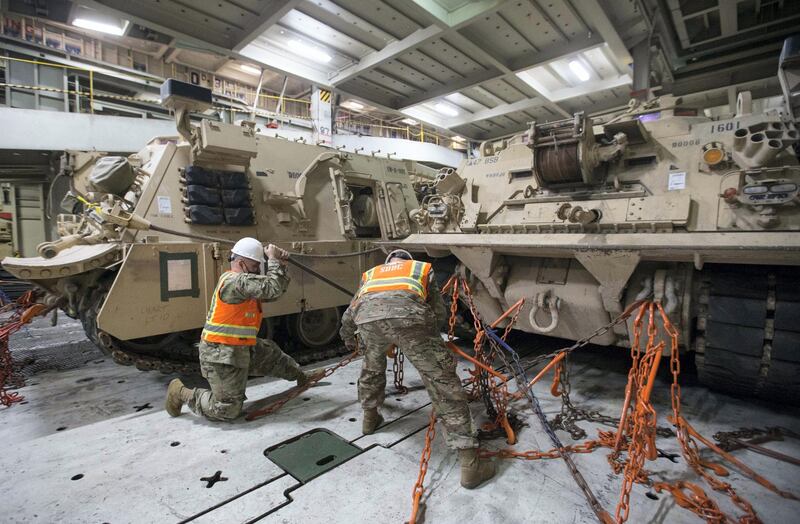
398, 303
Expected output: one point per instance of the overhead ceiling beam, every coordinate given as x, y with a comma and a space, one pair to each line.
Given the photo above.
172, 55
473, 49
728, 22
283, 64
463, 15
280, 64
554, 52
522, 105
269, 17
732, 74
488, 94
740, 57
424, 76
378, 85
290, 31
351, 19
179, 36
588, 88
164, 49
509, 69
152, 15
445, 24
720, 95
392, 50
451, 87
678, 21
603, 25
394, 78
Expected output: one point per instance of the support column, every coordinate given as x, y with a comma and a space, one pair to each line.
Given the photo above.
321, 116
641, 70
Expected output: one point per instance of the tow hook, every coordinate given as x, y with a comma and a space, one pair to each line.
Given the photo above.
548, 302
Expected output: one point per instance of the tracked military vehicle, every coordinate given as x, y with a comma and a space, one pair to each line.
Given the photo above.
142, 292
581, 217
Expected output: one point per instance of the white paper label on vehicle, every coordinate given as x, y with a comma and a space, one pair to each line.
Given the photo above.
677, 181
164, 206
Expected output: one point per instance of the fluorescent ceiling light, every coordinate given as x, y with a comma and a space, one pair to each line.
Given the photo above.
409, 121
580, 71
250, 69
446, 109
102, 27
352, 104
314, 53
457, 138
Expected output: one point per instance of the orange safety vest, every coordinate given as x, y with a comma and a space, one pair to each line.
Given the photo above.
232, 324
409, 275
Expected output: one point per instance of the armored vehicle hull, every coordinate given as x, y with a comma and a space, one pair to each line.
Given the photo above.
580, 218
140, 252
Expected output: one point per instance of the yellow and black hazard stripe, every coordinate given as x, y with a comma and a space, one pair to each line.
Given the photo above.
324, 95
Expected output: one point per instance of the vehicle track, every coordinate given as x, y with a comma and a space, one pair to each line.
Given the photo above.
749, 331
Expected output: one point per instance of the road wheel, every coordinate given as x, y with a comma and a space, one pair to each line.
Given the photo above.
315, 328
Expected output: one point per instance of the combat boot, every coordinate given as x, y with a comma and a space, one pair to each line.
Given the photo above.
177, 396
304, 378
372, 419
474, 470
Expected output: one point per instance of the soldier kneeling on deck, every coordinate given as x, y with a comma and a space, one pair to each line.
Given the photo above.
229, 336
398, 303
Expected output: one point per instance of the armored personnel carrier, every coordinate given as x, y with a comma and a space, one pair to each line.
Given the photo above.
580, 217
139, 252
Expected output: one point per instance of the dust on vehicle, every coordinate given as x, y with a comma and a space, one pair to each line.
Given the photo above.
581, 217
142, 291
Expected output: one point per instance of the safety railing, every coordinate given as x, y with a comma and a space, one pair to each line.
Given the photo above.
283, 106
90, 93
417, 133
270, 106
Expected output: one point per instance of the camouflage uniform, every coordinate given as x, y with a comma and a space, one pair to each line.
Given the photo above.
399, 318
226, 367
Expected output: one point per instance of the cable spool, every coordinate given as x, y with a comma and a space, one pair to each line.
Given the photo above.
565, 152
558, 164
560, 152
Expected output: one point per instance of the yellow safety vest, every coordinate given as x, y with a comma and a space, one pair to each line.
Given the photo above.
409, 275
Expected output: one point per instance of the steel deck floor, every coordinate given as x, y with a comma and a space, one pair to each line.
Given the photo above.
143, 466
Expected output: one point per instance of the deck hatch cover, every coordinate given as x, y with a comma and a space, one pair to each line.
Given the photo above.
311, 454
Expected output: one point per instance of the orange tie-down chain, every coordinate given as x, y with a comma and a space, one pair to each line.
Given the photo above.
297, 390
637, 427
636, 434
25, 311
392, 352
419, 488
482, 362
497, 383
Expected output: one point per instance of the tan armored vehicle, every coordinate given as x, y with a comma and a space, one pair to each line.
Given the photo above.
143, 293
581, 217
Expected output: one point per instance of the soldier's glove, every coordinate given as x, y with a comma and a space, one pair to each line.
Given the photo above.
273, 252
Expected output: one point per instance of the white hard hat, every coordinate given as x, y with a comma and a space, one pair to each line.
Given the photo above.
249, 247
